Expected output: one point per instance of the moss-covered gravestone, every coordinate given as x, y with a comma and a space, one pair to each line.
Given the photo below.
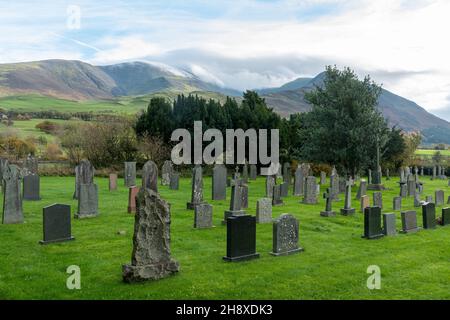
12, 200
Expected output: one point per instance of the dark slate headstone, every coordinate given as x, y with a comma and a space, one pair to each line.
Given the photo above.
196, 187
372, 223
429, 215
285, 236
31, 187
132, 193
174, 180
150, 176
87, 201
241, 238
409, 222
151, 258
276, 196
378, 199
112, 182
397, 203
12, 200
219, 182
129, 174
389, 228
439, 197
56, 222
264, 210
253, 172
284, 189
445, 220
203, 216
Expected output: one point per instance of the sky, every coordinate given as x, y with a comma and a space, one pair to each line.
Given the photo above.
246, 44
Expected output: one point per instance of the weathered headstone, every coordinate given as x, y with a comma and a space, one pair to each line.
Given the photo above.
397, 203
365, 202
241, 238
112, 182
87, 201
151, 258
323, 177
253, 172
276, 196
328, 210
12, 200
439, 197
30, 165
342, 184
244, 196
348, 210
132, 193
287, 172
166, 171
389, 228
378, 199
372, 223
84, 174
129, 174
298, 182
150, 176
445, 219
196, 187
270, 183
362, 190
31, 187
403, 190
174, 180
235, 203
245, 173
3, 164
203, 216
429, 215
409, 222
411, 187
219, 182
334, 186
285, 235
57, 224
310, 195
284, 189
264, 210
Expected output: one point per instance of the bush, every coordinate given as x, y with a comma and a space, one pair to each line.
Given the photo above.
52, 152
48, 127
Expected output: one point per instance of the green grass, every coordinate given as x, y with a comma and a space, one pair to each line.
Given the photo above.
425, 152
27, 128
333, 265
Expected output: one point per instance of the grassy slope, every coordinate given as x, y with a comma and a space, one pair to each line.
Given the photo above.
425, 152
333, 265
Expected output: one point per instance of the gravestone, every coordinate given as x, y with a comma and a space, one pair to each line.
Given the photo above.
284, 189
378, 199
245, 173
342, 184
445, 219
372, 223
87, 201
369, 176
241, 238
285, 236
429, 199
334, 185
397, 203
112, 182
328, 210
387, 174
362, 190
434, 173
31, 187
287, 173
12, 200
235, 203
276, 196
409, 222
174, 180
203, 216
389, 228
150, 176
403, 190
3, 164
253, 172
429, 215
151, 258
57, 225
196, 187
323, 177
270, 183
298, 182
417, 201
166, 171
129, 174
365, 202
219, 182
439, 197
411, 187
264, 210
244, 196
132, 193
310, 195
348, 210
30, 165
84, 174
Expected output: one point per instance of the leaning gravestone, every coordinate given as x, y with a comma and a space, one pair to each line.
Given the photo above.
132, 193
12, 201
365, 202
445, 219
328, 210
348, 210
253, 172
87, 201
429, 215
84, 174
150, 259
241, 238
285, 236
362, 190
276, 196
397, 203
270, 183
389, 228
150, 176
57, 225
439, 196
166, 171
112, 182
372, 223
174, 180
31, 187
203, 216
409, 222
378, 199
219, 182
264, 210
310, 196
196, 187
129, 174
235, 203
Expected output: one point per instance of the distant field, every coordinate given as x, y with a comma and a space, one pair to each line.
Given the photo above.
425, 152
26, 128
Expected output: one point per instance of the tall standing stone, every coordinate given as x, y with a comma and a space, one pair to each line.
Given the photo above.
348, 210
150, 176
372, 223
166, 171
445, 219
245, 173
12, 200
284, 189
57, 224
84, 174
253, 172
334, 186
264, 210
129, 174
285, 235
235, 203
409, 222
362, 190
151, 257
411, 187
310, 196
287, 172
403, 190
3, 164
87, 201
276, 195
219, 182
270, 183
429, 215
298, 182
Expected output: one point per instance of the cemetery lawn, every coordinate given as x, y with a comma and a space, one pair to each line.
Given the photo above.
333, 265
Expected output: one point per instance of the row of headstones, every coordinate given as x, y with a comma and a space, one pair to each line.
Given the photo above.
374, 228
